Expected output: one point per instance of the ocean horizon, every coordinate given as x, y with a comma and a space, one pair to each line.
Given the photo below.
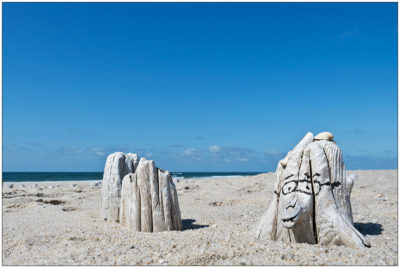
89, 176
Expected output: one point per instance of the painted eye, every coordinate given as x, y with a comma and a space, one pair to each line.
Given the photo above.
289, 187
305, 187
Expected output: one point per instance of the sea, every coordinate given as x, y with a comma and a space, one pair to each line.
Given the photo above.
95, 176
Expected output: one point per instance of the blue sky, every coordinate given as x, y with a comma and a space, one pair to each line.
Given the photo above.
197, 86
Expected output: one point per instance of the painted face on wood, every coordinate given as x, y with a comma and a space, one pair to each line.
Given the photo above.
296, 192
312, 197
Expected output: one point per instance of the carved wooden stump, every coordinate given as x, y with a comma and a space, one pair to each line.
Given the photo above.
311, 202
149, 201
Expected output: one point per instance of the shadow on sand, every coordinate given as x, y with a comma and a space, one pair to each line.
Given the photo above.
187, 224
369, 228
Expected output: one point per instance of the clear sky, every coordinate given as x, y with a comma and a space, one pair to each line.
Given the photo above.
197, 86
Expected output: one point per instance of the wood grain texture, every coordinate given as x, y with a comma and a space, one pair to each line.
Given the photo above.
117, 166
149, 201
311, 203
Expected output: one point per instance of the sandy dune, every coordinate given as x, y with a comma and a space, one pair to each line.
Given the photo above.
61, 226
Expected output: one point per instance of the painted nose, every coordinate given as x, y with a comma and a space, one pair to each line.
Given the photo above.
291, 203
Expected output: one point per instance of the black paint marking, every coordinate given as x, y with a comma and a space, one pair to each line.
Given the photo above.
301, 191
313, 200
291, 218
296, 182
328, 183
292, 206
288, 177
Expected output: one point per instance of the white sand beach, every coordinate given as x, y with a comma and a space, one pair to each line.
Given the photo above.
61, 226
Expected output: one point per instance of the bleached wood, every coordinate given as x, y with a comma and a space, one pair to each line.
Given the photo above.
270, 226
342, 183
149, 201
333, 226
311, 202
117, 166
176, 217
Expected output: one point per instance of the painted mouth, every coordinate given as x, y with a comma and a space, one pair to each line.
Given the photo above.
291, 219
289, 222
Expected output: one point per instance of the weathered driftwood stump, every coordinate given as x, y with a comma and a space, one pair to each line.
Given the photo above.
149, 201
117, 166
139, 195
311, 202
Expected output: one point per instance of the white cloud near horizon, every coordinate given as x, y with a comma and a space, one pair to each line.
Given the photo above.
214, 149
189, 151
223, 157
96, 151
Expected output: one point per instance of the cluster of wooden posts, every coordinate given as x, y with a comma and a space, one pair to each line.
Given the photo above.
311, 202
